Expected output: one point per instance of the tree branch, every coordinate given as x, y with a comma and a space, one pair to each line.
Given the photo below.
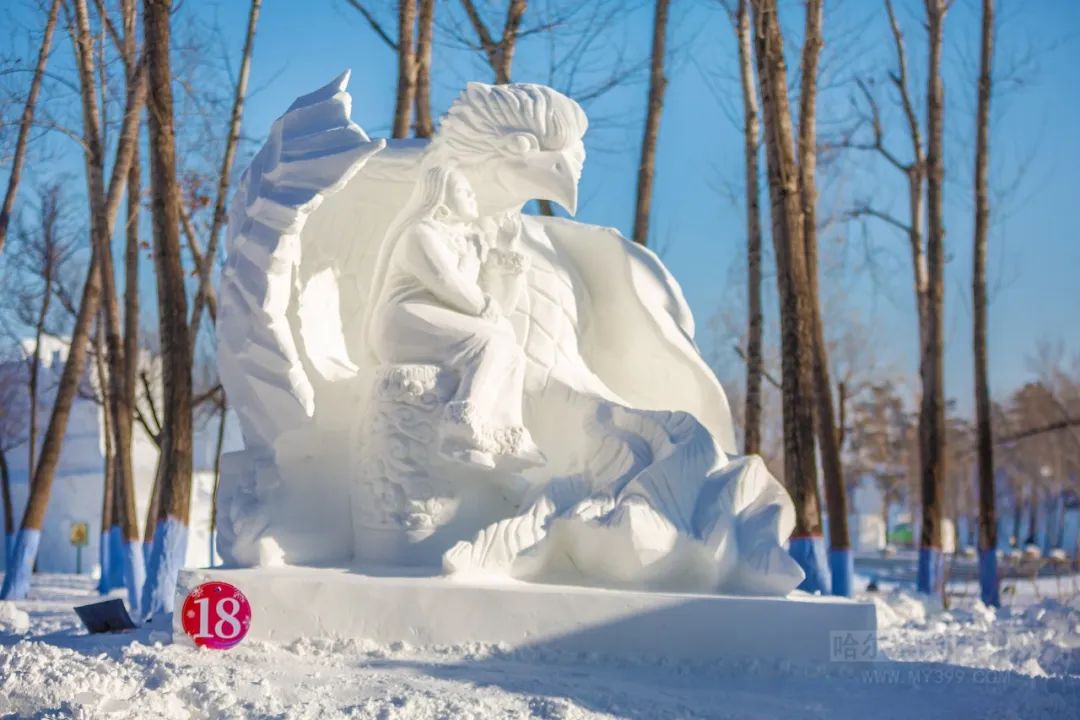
374, 23
867, 211
487, 43
764, 373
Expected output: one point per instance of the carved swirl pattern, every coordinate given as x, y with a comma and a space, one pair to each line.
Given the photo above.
396, 490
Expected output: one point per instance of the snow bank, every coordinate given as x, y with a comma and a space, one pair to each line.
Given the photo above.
56, 670
1038, 640
12, 619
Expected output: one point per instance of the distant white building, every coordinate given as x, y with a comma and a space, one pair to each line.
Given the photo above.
78, 485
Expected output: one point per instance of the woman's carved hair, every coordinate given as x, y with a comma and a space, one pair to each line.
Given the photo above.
487, 120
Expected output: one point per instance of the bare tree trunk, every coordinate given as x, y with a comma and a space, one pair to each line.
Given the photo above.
499, 53
406, 84
800, 466
647, 163
35, 372
414, 62
131, 283
984, 429
131, 249
17, 581
9, 512
425, 126
170, 538
152, 507
218, 447
508, 44
118, 395
825, 417
755, 320
25, 122
109, 478
932, 407
916, 176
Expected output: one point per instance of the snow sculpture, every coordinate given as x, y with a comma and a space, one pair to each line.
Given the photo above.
425, 375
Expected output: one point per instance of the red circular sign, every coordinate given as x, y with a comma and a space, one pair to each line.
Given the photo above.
216, 615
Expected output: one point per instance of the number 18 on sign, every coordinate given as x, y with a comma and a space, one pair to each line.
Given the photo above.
216, 615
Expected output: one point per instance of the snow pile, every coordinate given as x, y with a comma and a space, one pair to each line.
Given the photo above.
969, 661
12, 619
898, 607
1040, 640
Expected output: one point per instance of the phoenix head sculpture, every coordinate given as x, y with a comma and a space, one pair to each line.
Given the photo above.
515, 143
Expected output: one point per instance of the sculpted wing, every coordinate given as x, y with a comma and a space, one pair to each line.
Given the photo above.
636, 330
305, 224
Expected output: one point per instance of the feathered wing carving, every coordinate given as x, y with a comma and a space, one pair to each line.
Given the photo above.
307, 215
312, 151
648, 358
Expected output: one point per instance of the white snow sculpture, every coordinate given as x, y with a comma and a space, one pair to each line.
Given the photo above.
427, 376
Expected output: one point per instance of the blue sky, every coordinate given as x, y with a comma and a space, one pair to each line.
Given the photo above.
1035, 249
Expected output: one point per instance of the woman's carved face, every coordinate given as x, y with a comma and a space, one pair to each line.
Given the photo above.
460, 198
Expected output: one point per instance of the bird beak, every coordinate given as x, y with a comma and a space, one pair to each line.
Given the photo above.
569, 172
560, 179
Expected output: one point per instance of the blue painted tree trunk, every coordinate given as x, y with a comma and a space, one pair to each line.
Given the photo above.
809, 552
116, 557
842, 568
989, 591
104, 558
931, 573
134, 574
17, 578
9, 550
166, 560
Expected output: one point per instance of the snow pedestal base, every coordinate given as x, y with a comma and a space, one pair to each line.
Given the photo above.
426, 611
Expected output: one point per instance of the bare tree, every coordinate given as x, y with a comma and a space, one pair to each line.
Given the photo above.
109, 514
881, 434
755, 321
425, 125
123, 510
119, 407
498, 51
984, 427
12, 416
406, 52
42, 252
17, 581
800, 465
414, 62
205, 261
932, 406
647, 163
172, 316
828, 442
26, 121
205, 293
928, 289
914, 172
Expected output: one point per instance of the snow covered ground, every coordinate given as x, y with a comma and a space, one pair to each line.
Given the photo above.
1021, 662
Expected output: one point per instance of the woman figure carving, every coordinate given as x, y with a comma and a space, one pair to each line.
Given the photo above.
432, 308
